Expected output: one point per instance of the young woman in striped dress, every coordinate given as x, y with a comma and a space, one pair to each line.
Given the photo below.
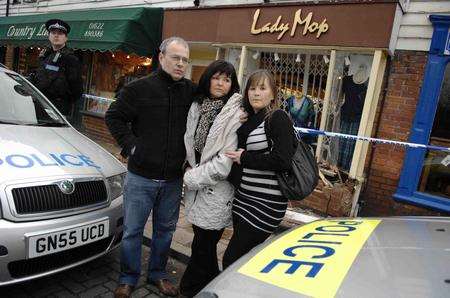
266, 145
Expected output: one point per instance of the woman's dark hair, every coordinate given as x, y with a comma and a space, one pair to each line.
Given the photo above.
256, 78
221, 67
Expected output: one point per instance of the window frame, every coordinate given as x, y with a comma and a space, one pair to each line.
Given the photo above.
407, 189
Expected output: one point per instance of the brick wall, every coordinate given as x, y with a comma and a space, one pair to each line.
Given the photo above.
395, 122
96, 129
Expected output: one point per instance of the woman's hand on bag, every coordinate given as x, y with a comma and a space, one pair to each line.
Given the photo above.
235, 155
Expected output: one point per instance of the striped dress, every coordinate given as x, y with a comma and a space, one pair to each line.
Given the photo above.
258, 200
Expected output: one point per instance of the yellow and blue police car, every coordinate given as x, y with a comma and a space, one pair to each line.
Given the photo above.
358, 257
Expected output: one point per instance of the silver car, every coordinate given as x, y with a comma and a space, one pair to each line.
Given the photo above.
360, 257
60, 193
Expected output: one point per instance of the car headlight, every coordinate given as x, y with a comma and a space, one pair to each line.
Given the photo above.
116, 185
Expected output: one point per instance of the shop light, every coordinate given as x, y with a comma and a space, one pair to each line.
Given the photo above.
326, 59
31, 48
256, 55
39, 49
112, 55
276, 57
147, 62
128, 56
298, 59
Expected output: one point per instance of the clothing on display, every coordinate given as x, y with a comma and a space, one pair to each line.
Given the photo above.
302, 113
354, 88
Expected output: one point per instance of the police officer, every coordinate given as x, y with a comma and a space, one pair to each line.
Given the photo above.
59, 73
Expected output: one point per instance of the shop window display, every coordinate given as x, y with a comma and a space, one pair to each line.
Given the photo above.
302, 81
110, 72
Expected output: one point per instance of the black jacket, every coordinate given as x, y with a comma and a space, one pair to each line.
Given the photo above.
59, 78
282, 143
148, 120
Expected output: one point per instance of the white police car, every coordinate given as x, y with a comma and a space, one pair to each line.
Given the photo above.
60, 193
359, 257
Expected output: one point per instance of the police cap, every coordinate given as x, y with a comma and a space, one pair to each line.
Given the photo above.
58, 25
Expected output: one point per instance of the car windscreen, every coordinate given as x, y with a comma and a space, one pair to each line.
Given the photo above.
22, 104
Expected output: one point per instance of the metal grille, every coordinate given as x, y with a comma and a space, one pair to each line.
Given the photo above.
330, 146
46, 198
23, 268
298, 74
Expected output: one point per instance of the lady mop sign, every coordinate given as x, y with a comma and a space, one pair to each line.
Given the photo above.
310, 26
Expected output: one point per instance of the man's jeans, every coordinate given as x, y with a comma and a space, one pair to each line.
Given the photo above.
141, 196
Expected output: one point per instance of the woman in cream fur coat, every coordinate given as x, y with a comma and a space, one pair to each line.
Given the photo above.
210, 131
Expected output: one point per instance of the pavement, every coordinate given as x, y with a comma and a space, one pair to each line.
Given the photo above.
98, 278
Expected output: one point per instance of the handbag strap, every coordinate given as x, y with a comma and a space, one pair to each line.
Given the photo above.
268, 130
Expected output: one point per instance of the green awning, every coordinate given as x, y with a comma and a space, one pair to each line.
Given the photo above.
132, 30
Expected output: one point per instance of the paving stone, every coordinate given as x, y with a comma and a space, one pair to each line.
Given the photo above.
183, 237
95, 281
64, 294
78, 276
141, 292
114, 275
141, 282
112, 285
14, 291
46, 291
73, 286
114, 266
99, 271
96, 291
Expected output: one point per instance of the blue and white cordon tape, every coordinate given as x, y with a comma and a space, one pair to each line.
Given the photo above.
368, 139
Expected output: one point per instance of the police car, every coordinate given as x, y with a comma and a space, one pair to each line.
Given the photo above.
60, 193
360, 257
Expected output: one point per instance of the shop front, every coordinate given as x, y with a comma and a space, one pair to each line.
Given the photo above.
329, 62
115, 46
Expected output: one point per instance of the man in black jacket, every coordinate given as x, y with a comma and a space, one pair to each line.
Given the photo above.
156, 107
59, 73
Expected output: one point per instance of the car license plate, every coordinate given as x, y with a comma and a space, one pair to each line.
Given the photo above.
69, 237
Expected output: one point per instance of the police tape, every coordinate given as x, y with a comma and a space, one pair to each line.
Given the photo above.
369, 139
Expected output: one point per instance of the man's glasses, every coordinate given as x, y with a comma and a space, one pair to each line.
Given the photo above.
176, 59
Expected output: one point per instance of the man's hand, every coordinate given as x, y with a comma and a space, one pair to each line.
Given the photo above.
235, 155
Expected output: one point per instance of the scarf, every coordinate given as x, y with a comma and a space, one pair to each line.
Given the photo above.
209, 109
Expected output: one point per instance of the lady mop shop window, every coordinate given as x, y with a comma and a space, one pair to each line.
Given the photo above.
435, 177
302, 81
111, 71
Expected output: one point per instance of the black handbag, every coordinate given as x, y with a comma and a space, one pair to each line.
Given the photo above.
301, 180
303, 177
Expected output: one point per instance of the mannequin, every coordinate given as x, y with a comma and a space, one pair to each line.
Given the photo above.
301, 110
354, 88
